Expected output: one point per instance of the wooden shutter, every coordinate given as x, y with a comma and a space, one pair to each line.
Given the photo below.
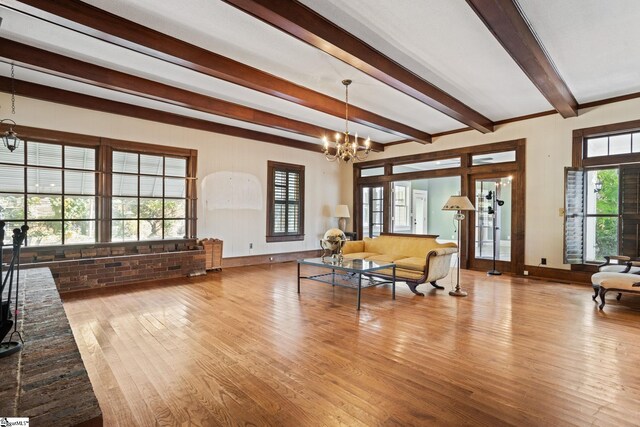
573, 216
630, 210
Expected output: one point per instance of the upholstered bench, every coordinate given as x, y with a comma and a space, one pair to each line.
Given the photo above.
604, 282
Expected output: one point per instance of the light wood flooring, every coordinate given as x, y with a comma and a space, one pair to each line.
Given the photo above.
240, 347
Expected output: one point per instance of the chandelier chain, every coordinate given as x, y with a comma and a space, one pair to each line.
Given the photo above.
346, 114
13, 91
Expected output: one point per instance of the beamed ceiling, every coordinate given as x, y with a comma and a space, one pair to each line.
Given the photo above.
271, 70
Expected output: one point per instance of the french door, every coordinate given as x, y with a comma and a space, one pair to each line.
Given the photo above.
372, 213
491, 224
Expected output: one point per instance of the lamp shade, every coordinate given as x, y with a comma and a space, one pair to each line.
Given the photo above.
458, 203
342, 211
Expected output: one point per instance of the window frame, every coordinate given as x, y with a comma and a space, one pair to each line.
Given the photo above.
139, 176
580, 160
272, 168
26, 166
104, 148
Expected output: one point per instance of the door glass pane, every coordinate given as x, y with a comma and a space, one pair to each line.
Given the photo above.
602, 191
401, 213
493, 218
620, 144
598, 146
372, 215
484, 159
601, 238
428, 166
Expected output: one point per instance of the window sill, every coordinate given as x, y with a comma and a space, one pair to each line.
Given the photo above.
290, 238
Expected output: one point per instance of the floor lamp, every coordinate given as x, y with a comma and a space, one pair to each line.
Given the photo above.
459, 204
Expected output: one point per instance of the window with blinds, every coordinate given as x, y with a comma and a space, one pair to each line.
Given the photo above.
51, 188
285, 213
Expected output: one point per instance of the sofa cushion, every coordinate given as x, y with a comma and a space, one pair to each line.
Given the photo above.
405, 246
412, 263
384, 258
622, 281
359, 255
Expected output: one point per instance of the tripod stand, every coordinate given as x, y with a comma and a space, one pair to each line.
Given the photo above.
493, 210
10, 347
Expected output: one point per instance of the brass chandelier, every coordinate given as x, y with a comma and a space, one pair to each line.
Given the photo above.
346, 148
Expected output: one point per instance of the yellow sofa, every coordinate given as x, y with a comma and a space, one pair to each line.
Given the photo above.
418, 259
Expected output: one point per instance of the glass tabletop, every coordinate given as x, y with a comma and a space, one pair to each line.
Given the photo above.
347, 264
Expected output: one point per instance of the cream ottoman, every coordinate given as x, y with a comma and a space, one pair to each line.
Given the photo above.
604, 282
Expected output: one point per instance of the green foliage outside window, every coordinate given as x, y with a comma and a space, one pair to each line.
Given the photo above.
607, 203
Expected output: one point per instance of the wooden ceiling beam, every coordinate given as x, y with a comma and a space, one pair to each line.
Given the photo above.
74, 99
94, 22
85, 72
507, 23
303, 23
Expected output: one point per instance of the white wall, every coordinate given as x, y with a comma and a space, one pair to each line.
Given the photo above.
216, 153
548, 151
327, 184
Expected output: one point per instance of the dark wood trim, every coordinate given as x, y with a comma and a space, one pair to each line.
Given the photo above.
525, 117
578, 146
243, 261
272, 167
422, 236
97, 23
450, 132
506, 22
38, 59
304, 24
442, 154
611, 100
466, 172
192, 194
559, 275
59, 96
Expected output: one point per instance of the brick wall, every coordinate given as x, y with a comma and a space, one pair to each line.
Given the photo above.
99, 266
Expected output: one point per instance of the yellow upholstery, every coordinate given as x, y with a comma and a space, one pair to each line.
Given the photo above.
404, 246
412, 263
353, 246
384, 258
417, 259
359, 255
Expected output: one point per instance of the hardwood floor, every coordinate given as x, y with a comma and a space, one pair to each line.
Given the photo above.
240, 347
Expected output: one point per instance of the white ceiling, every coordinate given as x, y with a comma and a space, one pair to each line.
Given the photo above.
594, 44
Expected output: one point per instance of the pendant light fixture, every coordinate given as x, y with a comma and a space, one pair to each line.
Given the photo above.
346, 148
10, 138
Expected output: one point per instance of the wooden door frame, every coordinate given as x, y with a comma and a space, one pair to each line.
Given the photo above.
465, 171
481, 263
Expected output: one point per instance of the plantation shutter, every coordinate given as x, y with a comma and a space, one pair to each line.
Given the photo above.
574, 216
630, 210
286, 202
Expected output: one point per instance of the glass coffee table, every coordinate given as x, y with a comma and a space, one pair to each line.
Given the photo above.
348, 273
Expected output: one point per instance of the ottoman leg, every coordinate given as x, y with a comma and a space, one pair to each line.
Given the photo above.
596, 289
603, 292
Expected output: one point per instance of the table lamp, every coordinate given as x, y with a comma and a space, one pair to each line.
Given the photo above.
342, 212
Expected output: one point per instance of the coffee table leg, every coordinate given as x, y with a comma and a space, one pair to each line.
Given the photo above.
298, 277
359, 288
393, 286
333, 277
